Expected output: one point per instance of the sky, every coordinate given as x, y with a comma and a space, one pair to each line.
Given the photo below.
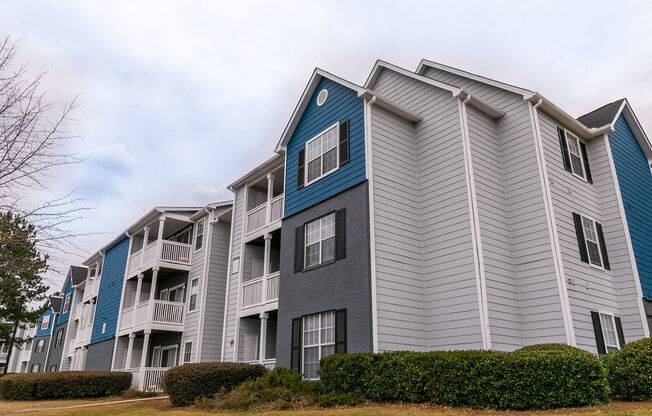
180, 98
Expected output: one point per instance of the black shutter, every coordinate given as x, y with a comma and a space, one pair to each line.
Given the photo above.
295, 354
603, 247
298, 249
340, 331
344, 142
301, 166
587, 167
597, 330
564, 149
581, 242
340, 234
619, 331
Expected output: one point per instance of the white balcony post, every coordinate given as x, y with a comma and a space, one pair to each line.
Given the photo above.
145, 238
139, 289
152, 295
266, 260
270, 195
263, 336
130, 348
159, 241
143, 359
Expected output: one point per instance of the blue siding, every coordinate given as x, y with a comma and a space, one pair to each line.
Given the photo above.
45, 332
342, 103
635, 182
63, 317
108, 297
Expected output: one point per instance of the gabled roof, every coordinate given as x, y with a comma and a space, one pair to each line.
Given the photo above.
315, 78
259, 170
212, 207
603, 115
55, 303
425, 64
77, 274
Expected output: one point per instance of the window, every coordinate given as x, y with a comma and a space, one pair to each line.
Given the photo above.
169, 356
574, 155
58, 338
591, 243
4, 348
53, 368
40, 345
322, 154
199, 235
187, 352
194, 289
318, 341
609, 332
36, 368
320, 241
45, 323
28, 345
66, 303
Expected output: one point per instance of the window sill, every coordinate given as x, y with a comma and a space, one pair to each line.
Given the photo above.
321, 177
317, 266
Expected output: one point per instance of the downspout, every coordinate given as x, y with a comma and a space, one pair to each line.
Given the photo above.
475, 225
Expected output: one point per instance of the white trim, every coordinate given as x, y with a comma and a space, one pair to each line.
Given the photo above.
321, 100
195, 235
43, 321
66, 303
615, 329
228, 276
319, 345
320, 241
570, 154
204, 283
380, 65
552, 226
628, 238
596, 241
635, 126
319, 136
238, 303
374, 98
372, 231
182, 356
478, 256
189, 293
158, 362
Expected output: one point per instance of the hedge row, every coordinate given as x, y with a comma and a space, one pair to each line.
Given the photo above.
532, 378
188, 382
630, 370
63, 385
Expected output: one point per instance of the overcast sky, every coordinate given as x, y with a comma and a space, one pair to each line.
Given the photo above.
181, 98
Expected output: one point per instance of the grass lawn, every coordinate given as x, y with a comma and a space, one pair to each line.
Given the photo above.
155, 407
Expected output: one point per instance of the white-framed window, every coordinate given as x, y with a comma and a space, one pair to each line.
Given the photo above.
187, 352
592, 242
319, 241
45, 323
608, 323
53, 368
322, 154
58, 340
193, 294
318, 341
169, 356
66, 303
575, 154
36, 368
40, 345
199, 235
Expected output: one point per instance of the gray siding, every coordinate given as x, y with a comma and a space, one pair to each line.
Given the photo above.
56, 353
191, 324
39, 357
99, 355
233, 288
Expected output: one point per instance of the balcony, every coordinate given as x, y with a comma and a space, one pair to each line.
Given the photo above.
260, 291
163, 315
173, 255
149, 379
265, 214
91, 288
83, 337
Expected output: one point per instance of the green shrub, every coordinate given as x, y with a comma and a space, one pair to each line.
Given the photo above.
630, 370
188, 382
533, 378
63, 384
548, 347
132, 393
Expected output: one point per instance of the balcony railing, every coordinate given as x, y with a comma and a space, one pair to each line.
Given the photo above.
171, 252
153, 378
269, 363
163, 312
91, 288
252, 291
265, 214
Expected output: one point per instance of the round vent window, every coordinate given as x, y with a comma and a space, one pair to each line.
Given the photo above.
321, 97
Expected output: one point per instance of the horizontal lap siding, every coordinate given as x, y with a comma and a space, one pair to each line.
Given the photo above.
191, 321
436, 212
342, 104
502, 290
635, 182
531, 251
234, 279
590, 289
216, 293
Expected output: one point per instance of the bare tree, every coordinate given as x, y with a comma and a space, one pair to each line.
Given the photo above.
33, 141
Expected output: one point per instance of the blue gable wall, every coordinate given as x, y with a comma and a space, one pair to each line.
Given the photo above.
44, 332
63, 317
108, 297
635, 182
342, 103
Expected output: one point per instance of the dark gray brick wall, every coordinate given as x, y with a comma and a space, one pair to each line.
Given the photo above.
100, 355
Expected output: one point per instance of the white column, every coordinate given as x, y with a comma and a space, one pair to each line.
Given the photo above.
139, 289
270, 195
130, 348
145, 238
266, 260
159, 241
143, 359
263, 335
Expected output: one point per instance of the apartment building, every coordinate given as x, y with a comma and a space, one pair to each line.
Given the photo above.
439, 209
20, 356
